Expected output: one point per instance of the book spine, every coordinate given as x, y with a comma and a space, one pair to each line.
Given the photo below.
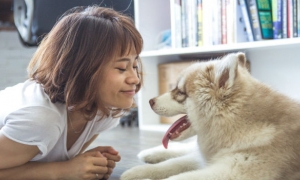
190, 23
223, 22
240, 30
253, 11
295, 20
216, 22
265, 18
200, 23
184, 35
289, 19
175, 7
230, 17
298, 17
207, 23
246, 19
284, 19
277, 19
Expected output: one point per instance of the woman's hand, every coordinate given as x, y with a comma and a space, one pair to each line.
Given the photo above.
112, 157
90, 165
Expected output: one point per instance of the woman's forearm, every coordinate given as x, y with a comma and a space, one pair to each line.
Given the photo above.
36, 171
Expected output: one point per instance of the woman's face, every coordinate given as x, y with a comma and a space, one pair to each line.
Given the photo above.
117, 88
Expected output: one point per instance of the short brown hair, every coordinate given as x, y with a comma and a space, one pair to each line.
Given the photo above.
69, 61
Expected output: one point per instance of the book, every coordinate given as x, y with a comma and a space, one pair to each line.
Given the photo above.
289, 19
295, 18
223, 22
255, 24
298, 17
277, 19
216, 22
207, 23
264, 9
200, 23
240, 33
191, 15
184, 30
284, 19
230, 20
246, 19
175, 10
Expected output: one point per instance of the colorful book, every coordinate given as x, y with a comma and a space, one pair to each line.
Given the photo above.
265, 18
277, 19
255, 24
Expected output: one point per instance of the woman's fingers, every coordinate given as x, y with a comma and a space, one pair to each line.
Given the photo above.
111, 164
107, 149
113, 157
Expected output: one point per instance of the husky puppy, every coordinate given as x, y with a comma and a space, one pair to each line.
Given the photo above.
244, 129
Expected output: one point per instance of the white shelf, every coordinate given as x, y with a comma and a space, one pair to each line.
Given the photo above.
222, 48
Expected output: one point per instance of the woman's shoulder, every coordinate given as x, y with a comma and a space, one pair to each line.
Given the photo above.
29, 99
27, 94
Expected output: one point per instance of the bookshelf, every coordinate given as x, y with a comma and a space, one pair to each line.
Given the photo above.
275, 62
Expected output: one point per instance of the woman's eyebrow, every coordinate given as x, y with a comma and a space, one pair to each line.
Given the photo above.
123, 59
126, 59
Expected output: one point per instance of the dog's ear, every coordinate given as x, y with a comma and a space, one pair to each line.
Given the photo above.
226, 69
242, 59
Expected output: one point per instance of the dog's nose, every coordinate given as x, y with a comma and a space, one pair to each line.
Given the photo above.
151, 102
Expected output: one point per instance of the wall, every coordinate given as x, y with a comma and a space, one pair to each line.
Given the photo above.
14, 58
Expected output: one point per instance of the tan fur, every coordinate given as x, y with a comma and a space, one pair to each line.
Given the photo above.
245, 130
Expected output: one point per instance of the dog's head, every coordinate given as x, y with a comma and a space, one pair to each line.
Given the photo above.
201, 92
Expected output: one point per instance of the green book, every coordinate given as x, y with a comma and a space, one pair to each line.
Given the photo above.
264, 8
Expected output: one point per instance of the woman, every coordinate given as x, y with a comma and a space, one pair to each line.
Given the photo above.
83, 77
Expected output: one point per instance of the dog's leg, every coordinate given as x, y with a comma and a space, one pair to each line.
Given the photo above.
164, 169
159, 153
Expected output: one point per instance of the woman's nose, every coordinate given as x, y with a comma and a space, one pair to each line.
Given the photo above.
133, 78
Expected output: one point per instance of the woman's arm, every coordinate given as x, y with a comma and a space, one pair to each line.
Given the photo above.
15, 154
15, 164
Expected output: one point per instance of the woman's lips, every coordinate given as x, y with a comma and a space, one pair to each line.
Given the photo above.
129, 92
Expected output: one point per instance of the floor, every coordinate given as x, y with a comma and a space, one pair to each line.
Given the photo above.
129, 141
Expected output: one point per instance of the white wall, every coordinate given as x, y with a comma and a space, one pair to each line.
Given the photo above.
14, 58
279, 68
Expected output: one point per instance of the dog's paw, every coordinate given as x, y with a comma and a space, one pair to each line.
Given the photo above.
152, 155
159, 154
136, 173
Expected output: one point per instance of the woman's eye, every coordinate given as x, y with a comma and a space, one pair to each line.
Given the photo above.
121, 69
135, 67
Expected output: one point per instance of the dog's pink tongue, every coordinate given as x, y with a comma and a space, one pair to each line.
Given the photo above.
175, 126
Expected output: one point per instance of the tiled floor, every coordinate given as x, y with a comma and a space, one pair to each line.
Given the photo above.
129, 141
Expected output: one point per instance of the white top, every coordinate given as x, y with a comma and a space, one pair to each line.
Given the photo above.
29, 117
